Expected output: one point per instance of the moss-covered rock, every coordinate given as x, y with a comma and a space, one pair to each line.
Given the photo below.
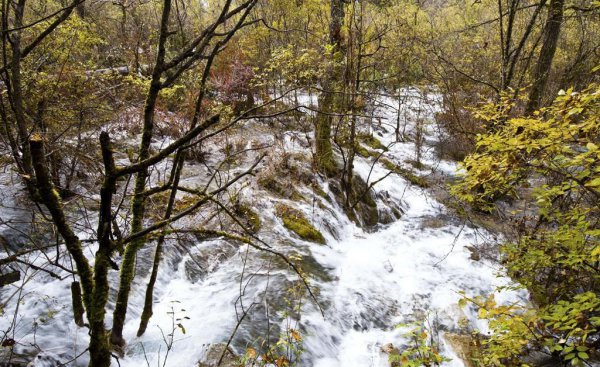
406, 173
295, 221
317, 190
364, 152
283, 189
249, 217
372, 141
364, 209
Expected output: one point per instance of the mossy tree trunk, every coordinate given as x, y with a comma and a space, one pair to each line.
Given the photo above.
330, 95
171, 71
352, 80
78, 309
94, 283
139, 198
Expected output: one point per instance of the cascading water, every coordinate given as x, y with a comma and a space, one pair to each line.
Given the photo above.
366, 283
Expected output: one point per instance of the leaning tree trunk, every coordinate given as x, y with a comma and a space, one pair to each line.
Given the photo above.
544, 64
149, 297
94, 284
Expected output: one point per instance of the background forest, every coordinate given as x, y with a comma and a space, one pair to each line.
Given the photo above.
300, 182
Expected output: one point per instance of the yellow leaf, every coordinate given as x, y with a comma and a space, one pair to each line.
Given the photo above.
296, 335
282, 361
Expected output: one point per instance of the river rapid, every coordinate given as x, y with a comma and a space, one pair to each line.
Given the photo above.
366, 283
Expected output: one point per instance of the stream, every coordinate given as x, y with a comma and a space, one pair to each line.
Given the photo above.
365, 283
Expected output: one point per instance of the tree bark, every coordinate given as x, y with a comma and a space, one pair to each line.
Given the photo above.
544, 64
94, 286
15, 95
139, 199
327, 100
77, 304
149, 297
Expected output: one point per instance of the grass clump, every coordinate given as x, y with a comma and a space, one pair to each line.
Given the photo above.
296, 222
406, 173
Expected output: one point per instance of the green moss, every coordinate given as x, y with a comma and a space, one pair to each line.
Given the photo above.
372, 141
327, 166
296, 196
287, 191
296, 222
415, 163
364, 152
407, 174
250, 217
319, 191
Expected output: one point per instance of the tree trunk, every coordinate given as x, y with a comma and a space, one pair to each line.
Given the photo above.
15, 94
544, 64
149, 297
77, 304
94, 286
327, 100
138, 201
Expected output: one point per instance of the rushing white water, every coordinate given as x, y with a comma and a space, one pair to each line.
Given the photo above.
367, 282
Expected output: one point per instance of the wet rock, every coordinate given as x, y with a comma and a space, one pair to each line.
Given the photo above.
213, 353
295, 221
373, 313
475, 256
207, 260
431, 222
389, 210
248, 217
365, 212
540, 359
465, 347
388, 266
390, 350
45, 360
332, 228
13, 359
27, 357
